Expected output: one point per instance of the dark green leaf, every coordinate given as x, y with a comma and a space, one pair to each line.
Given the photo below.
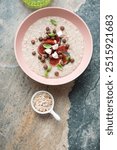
66, 53
68, 58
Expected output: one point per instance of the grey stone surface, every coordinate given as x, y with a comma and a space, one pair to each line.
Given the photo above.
84, 113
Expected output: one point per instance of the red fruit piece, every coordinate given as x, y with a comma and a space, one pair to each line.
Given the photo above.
49, 41
64, 59
54, 62
41, 49
62, 49
57, 39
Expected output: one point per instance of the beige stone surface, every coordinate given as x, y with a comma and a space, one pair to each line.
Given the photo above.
21, 127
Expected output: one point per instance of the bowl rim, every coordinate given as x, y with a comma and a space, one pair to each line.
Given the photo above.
53, 81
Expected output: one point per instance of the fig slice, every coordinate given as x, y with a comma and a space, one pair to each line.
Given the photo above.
62, 49
49, 41
54, 62
41, 49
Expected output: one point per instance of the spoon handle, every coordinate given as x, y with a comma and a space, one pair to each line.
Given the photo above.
55, 115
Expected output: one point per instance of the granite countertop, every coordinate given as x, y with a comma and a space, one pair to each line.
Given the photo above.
76, 102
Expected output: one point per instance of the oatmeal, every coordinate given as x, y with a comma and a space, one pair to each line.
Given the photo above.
53, 47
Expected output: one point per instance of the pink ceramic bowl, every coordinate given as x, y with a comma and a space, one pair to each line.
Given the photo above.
60, 12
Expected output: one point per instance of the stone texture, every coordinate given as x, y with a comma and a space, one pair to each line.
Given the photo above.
84, 111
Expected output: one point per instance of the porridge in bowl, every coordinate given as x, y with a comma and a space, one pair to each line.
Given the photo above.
53, 47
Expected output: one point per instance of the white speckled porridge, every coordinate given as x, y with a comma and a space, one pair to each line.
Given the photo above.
72, 36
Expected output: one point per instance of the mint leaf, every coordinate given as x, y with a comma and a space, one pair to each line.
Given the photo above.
66, 53
52, 34
47, 45
59, 67
46, 73
53, 22
68, 58
49, 69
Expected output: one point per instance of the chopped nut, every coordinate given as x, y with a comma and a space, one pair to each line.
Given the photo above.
72, 60
39, 57
62, 28
40, 39
45, 66
64, 40
57, 73
33, 42
47, 29
33, 53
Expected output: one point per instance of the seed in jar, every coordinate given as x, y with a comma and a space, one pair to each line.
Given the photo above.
46, 109
33, 42
47, 96
40, 39
33, 53
72, 60
45, 104
50, 102
47, 29
62, 28
57, 73
41, 109
45, 66
39, 57
64, 40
